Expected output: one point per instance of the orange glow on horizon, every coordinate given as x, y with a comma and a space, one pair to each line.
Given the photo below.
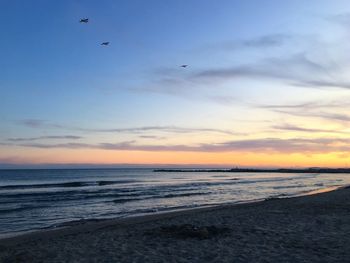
94, 156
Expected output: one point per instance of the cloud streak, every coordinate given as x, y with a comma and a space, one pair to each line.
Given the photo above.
152, 137
298, 70
168, 129
133, 130
305, 66
266, 41
322, 115
307, 105
288, 127
264, 145
55, 137
342, 19
37, 123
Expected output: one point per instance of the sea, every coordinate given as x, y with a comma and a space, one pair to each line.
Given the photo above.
32, 200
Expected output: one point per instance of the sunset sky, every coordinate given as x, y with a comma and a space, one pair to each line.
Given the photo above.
267, 82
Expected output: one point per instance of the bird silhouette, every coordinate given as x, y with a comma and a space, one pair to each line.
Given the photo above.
104, 43
183, 66
84, 20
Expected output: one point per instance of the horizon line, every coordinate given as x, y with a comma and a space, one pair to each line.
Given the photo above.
12, 166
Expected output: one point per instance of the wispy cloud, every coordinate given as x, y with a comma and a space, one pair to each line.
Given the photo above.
324, 84
312, 64
311, 105
264, 145
179, 82
56, 137
37, 123
323, 115
131, 130
289, 127
342, 19
297, 69
69, 145
152, 137
168, 129
265, 41
32, 122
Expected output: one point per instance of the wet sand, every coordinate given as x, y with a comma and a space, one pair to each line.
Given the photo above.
313, 228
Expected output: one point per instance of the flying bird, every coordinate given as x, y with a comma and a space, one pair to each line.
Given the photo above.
84, 20
104, 43
183, 66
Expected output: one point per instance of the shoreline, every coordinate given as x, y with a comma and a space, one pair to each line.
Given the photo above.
95, 223
91, 225
321, 217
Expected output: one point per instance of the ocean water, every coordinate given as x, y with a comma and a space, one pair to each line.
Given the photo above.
38, 199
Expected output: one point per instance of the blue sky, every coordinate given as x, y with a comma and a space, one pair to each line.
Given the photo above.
249, 63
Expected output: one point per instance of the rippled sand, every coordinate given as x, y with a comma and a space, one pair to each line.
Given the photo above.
302, 229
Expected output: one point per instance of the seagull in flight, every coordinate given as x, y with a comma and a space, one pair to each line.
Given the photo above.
183, 66
84, 20
104, 43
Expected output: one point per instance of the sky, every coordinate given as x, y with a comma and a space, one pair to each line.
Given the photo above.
267, 83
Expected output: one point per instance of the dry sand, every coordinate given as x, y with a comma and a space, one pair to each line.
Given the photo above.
312, 228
